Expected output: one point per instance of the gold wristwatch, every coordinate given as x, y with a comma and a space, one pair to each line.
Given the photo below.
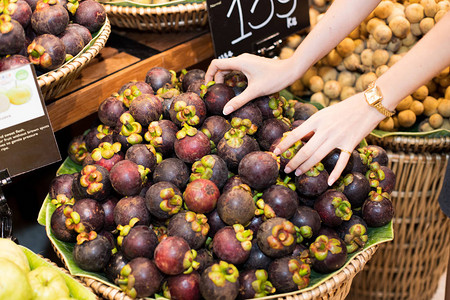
373, 98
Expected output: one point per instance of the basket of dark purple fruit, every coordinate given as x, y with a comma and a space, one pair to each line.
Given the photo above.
166, 197
58, 37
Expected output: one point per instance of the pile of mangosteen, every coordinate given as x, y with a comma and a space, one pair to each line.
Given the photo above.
177, 199
46, 33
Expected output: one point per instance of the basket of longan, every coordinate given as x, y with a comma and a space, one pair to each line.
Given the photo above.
157, 15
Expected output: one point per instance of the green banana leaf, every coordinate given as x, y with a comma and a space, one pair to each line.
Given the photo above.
77, 290
427, 134
140, 3
376, 236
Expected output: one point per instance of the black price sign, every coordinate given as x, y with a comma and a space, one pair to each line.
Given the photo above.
239, 26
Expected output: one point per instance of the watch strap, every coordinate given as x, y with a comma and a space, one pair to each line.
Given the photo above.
379, 96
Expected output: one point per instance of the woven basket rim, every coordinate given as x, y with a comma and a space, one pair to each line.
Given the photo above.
159, 10
62, 72
355, 265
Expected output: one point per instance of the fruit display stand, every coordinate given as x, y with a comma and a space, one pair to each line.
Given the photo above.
410, 267
171, 16
54, 82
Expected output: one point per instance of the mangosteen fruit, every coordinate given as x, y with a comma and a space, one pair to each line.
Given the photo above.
277, 237
233, 244
234, 146
128, 131
191, 227
330, 160
270, 130
201, 196
254, 284
375, 153
191, 144
73, 42
233, 181
91, 15
217, 95
107, 155
205, 259
183, 286
85, 215
139, 278
146, 108
355, 187
313, 182
173, 256
49, 18
13, 61
307, 220
279, 201
378, 210
82, 31
162, 135
257, 259
236, 80
220, 281
249, 111
215, 128
333, 208
20, 11
61, 184
187, 108
115, 265
173, 170
329, 254
159, 77
304, 110
163, 199
77, 150
190, 76
12, 38
288, 274
211, 167
360, 162
136, 241
236, 206
108, 207
110, 110
58, 224
381, 176
96, 135
131, 207
354, 233
128, 178
259, 169
142, 154
287, 155
47, 52
215, 223
270, 106
92, 252
131, 90
93, 182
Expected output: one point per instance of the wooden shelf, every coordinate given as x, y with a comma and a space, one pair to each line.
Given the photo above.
113, 68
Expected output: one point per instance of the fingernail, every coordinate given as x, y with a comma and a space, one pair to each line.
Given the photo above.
298, 172
276, 151
287, 170
331, 180
227, 109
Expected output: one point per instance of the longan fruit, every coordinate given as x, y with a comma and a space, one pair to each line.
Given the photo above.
381, 69
414, 12
430, 105
332, 89
387, 124
308, 74
293, 41
320, 98
417, 107
286, 52
400, 26
436, 120
425, 126
327, 73
382, 34
404, 104
333, 58
406, 118
426, 25
444, 107
316, 84
384, 9
359, 46
429, 7
345, 47
297, 87
380, 57
421, 93
347, 91
367, 57
447, 93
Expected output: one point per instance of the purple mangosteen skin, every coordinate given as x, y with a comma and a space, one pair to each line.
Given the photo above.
216, 97
228, 248
50, 20
91, 15
258, 169
13, 41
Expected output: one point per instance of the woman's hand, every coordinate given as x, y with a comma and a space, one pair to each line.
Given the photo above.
341, 126
265, 76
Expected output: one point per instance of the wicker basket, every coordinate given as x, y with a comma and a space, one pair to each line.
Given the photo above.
411, 144
410, 267
54, 82
166, 18
335, 288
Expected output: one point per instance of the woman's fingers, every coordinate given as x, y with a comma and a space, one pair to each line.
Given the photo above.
238, 101
218, 65
291, 138
343, 159
310, 153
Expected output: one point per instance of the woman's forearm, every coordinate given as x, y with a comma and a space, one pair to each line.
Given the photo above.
340, 19
422, 62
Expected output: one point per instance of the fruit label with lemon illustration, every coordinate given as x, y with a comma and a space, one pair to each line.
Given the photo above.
27, 140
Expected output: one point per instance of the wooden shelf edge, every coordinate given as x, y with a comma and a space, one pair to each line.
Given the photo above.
84, 102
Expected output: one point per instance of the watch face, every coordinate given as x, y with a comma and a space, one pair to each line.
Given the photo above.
372, 96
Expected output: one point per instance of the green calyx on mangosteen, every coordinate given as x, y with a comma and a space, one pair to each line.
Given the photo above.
329, 254
125, 229
222, 272
93, 180
378, 209
47, 51
199, 222
288, 274
277, 237
186, 113
353, 233
244, 236
62, 199
255, 284
130, 128
171, 203
154, 134
244, 125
